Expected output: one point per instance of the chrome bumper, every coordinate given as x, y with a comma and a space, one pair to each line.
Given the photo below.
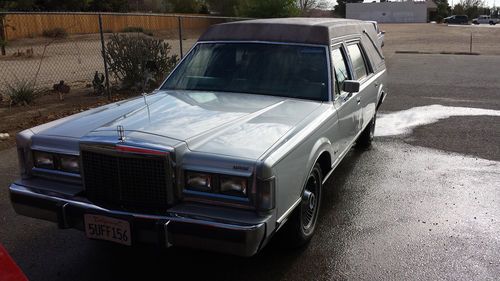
164, 231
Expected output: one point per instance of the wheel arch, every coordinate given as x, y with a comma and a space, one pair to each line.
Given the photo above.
321, 153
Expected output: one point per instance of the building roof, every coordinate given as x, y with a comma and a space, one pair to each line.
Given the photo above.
292, 30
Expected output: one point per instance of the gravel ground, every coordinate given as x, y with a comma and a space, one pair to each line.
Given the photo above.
73, 60
76, 58
437, 38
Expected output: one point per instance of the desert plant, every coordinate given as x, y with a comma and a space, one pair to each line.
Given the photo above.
133, 29
139, 62
21, 92
58, 32
137, 29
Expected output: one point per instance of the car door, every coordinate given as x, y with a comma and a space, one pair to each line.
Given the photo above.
363, 72
345, 103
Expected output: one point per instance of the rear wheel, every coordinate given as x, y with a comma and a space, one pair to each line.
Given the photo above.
365, 140
300, 228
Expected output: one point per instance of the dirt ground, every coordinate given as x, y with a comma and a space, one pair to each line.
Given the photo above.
76, 58
47, 107
73, 60
438, 38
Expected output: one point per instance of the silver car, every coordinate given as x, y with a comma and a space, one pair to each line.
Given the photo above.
234, 147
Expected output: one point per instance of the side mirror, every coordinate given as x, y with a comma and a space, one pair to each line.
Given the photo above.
351, 86
382, 31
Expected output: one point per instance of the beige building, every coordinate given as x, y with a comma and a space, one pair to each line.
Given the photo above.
406, 11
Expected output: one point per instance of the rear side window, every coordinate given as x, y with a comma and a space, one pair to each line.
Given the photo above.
340, 67
358, 61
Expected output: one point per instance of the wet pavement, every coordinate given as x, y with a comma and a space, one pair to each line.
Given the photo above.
421, 204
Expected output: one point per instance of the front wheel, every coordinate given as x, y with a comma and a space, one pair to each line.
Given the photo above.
300, 228
365, 140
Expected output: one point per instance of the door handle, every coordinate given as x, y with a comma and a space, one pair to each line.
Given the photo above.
376, 85
358, 100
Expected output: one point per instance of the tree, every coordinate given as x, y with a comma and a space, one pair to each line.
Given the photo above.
471, 7
443, 10
339, 9
223, 7
108, 6
307, 5
268, 8
183, 6
495, 12
20, 5
61, 5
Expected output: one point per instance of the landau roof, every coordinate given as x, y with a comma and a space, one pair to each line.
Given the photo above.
291, 30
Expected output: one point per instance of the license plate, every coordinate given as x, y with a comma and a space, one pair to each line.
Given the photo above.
106, 228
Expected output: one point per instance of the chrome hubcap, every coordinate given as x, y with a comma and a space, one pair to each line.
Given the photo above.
309, 204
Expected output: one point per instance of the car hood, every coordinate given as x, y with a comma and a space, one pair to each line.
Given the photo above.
234, 124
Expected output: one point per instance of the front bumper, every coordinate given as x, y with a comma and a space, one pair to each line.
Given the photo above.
164, 231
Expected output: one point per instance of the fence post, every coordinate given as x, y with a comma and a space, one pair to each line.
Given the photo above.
470, 48
179, 19
104, 57
3, 35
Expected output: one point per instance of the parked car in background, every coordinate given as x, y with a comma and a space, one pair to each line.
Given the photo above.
484, 19
457, 19
380, 33
234, 147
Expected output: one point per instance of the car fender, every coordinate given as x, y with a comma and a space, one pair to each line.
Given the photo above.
321, 146
380, 95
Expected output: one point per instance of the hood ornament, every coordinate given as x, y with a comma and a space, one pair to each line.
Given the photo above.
121, 133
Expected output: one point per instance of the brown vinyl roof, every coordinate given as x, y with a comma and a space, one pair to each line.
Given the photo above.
291, 30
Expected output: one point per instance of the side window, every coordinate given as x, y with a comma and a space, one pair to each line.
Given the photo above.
358, 61
340, 69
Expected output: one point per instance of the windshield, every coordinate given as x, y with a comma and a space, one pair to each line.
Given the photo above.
269, 69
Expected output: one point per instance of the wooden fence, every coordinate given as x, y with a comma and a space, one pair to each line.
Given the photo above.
28, 25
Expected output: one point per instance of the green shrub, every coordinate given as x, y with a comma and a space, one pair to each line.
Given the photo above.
57, 32
133, 29
22, 92
139, 62
137, 29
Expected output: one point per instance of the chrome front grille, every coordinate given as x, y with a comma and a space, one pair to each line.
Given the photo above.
127, 181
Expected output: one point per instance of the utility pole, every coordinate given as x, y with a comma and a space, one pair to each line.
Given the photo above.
179, 20
3, 35
103, 49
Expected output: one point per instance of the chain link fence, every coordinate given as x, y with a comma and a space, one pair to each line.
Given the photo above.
43, 49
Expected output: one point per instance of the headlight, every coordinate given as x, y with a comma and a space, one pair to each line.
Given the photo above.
43, 160
233, 185
69, 163
53, 161
198, 181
